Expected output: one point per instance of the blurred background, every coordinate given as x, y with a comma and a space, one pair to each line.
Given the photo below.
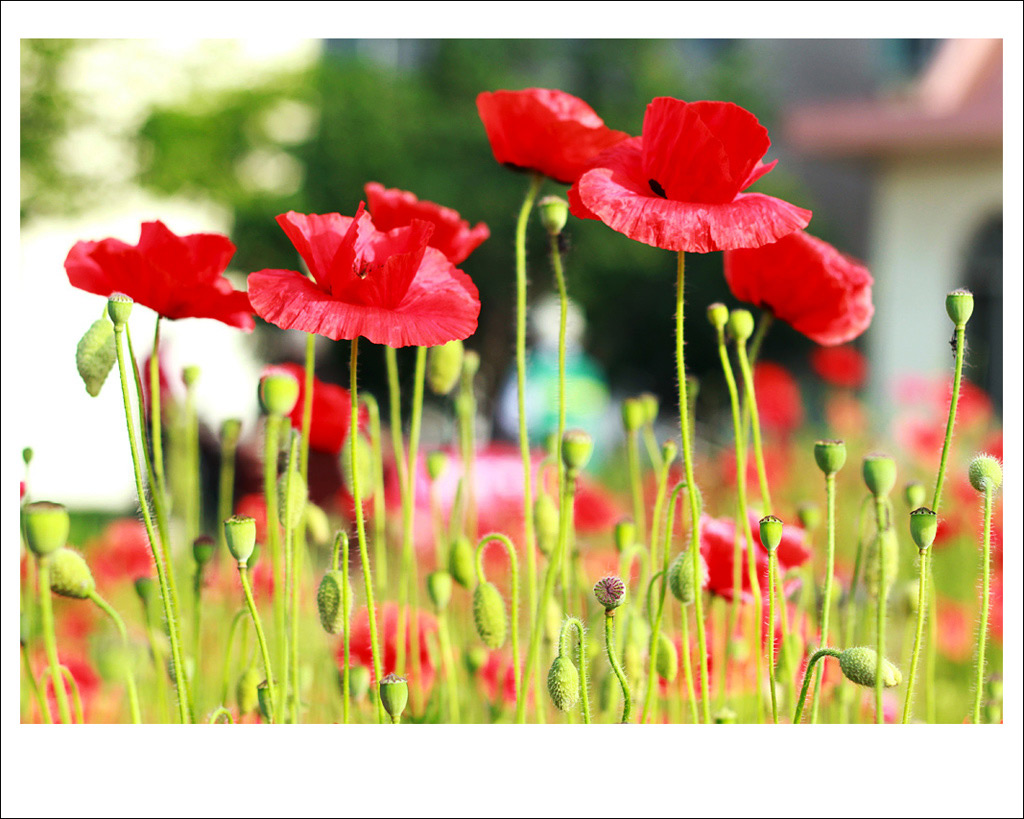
895, 144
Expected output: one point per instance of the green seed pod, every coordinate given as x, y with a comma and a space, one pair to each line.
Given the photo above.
771, 532
263, 697
444, 365
95, 355
439, 588
318, 527
554, 213
879, 474
886, 541
26, 455
960, 306
914, 493
364, 465
667, 661
291, 499
577, 447
669, 450
830, 456
610, 592
564, 683
70, 575
330, 599
725, 716
741, 325
46, 526
545, 521
203, 548
860, 665
924, 523
470, 365
437, 463
625, 534
119, 308
809, 515
633, 414
489, 615
358, 681
394, 694
475, 658
231, 431
246, 694
680, 578
190, 375
279, 390
460, 562
650, 404
240, 534
718, 315
985, 473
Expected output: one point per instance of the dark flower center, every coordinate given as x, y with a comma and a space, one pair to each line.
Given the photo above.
660, 191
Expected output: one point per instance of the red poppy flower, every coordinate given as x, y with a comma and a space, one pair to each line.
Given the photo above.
544, 130
391, 288
360, 651
121, 553
497, 677
843, 366
956, 629
332, 411
392, 208
678, 186
177, 276
807, 283
779, 404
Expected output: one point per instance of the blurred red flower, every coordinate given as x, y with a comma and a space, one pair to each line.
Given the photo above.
360, 652
678, 186
392, 208
391, 288
177, 276
779, 404
121, 553
544, 130
497, 677
807, 283
843, 366
955, 626
332, 411
254, 505
778, 459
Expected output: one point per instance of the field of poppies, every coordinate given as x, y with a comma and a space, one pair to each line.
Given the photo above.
748, 568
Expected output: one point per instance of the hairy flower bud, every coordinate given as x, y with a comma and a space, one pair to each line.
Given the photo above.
985, 473
70, 575
460, 562
680, 578
291, 498
439, 587
830, 456
860, 665
666, 662
610, 592
330, 601
489, 615
246, 695
95, 355
564, 683
46, 526
444, 365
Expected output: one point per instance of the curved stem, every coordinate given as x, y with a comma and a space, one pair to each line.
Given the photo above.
983, 626
221, 715
817, 655
44, 706
563, 650
826, 604
609, 644
513, 562
129, 677
225, 684
50, 638
69, 679
958, 367
243, 573
922, 607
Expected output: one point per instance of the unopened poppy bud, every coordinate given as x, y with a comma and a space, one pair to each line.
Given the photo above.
246, 694
460, 562
860, 665
263, 696
960, 306
394, 695
741, 325
771, 532
470, 364
666, 662
632, 414
725, 716
564, 683
230, 430
444, 365
809, 515
119, 308
330, 599
291, 498
437, 463
279, 390
924, 523
46, 526
489, 615
475, 659
914, 493
439, 587
879, 474
577, 447
669, 451
26, 455
364, 466
95, 355
545, 519
625, 534
70, 575
554, 213
985, 473
190, 375
240, 534
680, 578
358, 681
202, 549
146, 589
318, 527
650, 404
610, 592
830, 456
718, 315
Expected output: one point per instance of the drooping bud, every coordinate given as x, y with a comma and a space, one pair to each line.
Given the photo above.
439, 587
279, 390
830, 456
741, 325
860, 665
809, 515
680, 578
879, 474
632, 414
489, 615
460, 562
718, 315
666, 662
246, 694
330, 599
960, 306
394, 695
46, 526
985, 473
437, 463
291, 498
577, 447
771, 532
119, 308
364, 466
554, 213
924, 523
564, 683
444, 365
650, 404
203, 548
914, 493
95, 355
545, 521
70, 575
610, 592
625, 534
240, 534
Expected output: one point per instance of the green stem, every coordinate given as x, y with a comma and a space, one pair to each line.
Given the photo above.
636, 489
292, 582
129, 676
156, 430
513, 563
466, 413
68, 678
883, 594
243, 573
194, 482
771, 633
951, 421
687, 665
271, 448
983, 627
817, 655
563, 651
221, 715
450, 674
50, 638
751, 402
307, 404
613, 661
339, 559
922, 607
826, 605
44, 706
379, 515
226, 493
225, 683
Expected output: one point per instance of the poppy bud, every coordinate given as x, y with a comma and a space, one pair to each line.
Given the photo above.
202, 549
610, 592
886, 541
475, 659
26, 455
632, 414
439, 587
394, 695
489, 615
46, 526
444, 364
914, 493
809, 515
246, 694
741, 325
669, 451
470, 364
318, 527
230, 430
70, 575
718, 315
291, 498
545, 520
985, 473
554, 213
119, 308
460, 562
666, 662
95, 355
960, 306
577, 447
771, 532
364, 466
680, 578
358, 681
879, 474
625, 534
924, 523
330, 601
240, 534
279, 390
437, 463
146, 589
830, 456
650, 404
190, 375
860, 665
725, 716
564, 683
263, 697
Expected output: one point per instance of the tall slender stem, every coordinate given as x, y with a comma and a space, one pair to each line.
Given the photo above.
826, 604
979, 681
156, 431
687, 665
271, 447
44, 706
922, 584
50, 639
243, 573
379, 515
958, 367
883, 594
129, 676
613, 661
307, 404
750, 400
563, 302
582, 658
771, 633
292, 583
